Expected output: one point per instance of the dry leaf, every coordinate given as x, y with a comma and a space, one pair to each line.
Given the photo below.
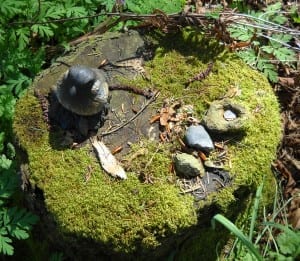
108, 162
286, 81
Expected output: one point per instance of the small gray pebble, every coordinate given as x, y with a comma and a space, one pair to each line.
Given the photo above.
229, 115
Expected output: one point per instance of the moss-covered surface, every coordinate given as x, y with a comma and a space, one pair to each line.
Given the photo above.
133, 216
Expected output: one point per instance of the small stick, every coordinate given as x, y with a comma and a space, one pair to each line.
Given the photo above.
200, 76
146, 93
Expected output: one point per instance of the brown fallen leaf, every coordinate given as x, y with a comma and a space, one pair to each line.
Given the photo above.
291, 183
286, 81
154, 118
164, 117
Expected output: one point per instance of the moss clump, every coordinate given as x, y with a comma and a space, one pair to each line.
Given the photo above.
136, 215
115, 213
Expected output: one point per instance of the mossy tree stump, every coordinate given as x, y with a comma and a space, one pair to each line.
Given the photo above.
95, 215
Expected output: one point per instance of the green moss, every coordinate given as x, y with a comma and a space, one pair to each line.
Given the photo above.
118, 213
126, 215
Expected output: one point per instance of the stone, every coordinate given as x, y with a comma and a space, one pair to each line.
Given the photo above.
225, 117
197, 137
229, 115
214, 165
187, 165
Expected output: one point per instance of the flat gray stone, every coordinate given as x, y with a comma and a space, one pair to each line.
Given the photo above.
197, 137
187, 165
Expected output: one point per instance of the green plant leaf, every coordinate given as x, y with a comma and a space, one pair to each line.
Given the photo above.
274, 7
268, 69
10, 8
17, 232
5, 247
2, 136
55, 12
21, 218
255, 210
248, 56
23, 37
288, 241
284, 54
5, 163
8, 183
268, 49
241, 33
43, 31
279, 19
238, 233
279, 39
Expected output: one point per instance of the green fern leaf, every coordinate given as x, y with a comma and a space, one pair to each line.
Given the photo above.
241, 33
279, 19
271, 74
17, 232
248, 56
76, 11
267, 48
284, 54
55, 12
10, 8
8, 184
43, 31
21, 218
274, 8
268, 69
23, 37
2, 137
5, 163
5, 247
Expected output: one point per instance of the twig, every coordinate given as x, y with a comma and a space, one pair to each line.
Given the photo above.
146, 93
200, 76
155, 95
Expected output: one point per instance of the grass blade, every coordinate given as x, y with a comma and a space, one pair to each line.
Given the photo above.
238, 233
255, 210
